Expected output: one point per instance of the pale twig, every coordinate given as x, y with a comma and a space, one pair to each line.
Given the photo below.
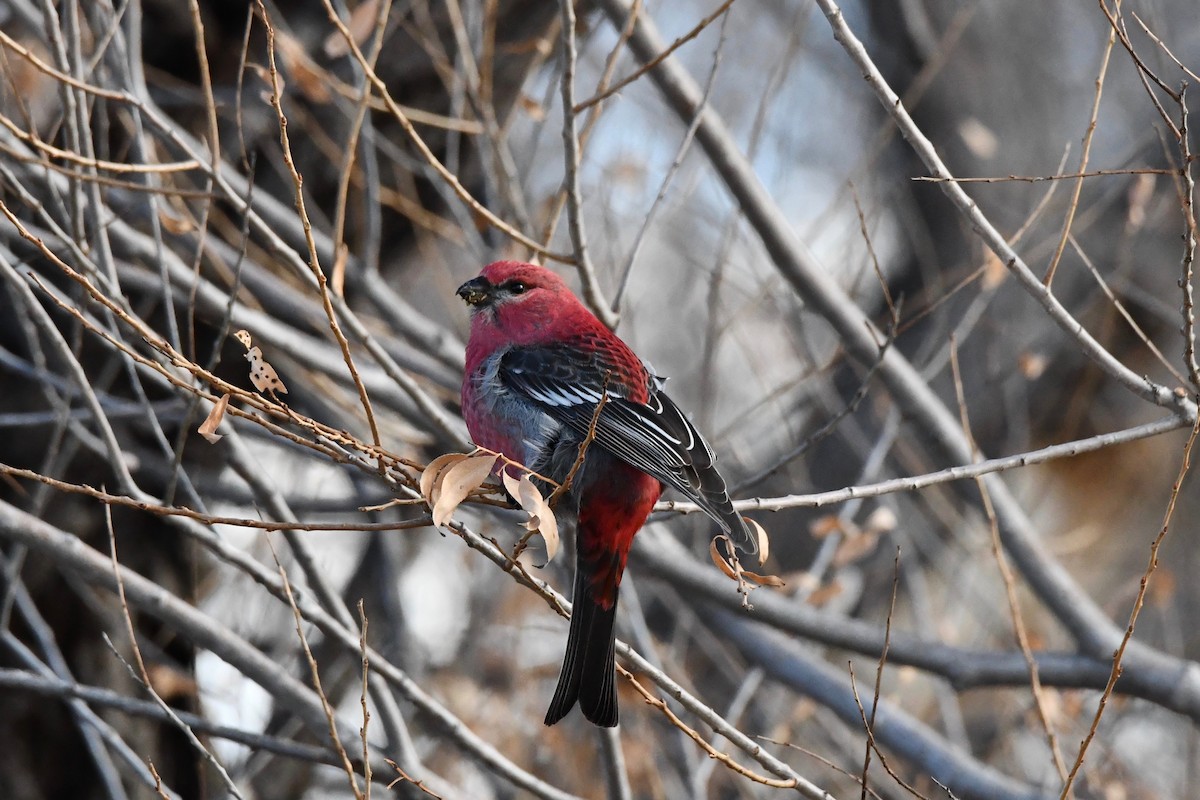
51, 686
1042, 178
685, 145
810, 791
957, 473
1163, 46
1124, 312
823, 761
450, 178
654, 62
1078, 612
717, 723
868, 724
348, 170
1009, 580
314, 262
314, 672
1188, 207
144, 677
615, 771
1144, 585
87, 162
477, 91
869, 720
593, 295
610, 66
366, 713
1048, 279
1118, 25
1136, 383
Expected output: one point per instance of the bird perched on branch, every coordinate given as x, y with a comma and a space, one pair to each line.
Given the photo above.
538, 366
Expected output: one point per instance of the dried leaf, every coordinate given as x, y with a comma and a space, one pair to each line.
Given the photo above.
826, 593
308, 78
174, 223
430, 485
262, 374
881, 520
994, 271
764, 580
532, 108
338, 279
208, 428
1032, 365
719, 559
170, 683
541, 516
821, 527
459, 481
764, 543
1162, 591
978, 137
854, 548
1140, 194
361, 24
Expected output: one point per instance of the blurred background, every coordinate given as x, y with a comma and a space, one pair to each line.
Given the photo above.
152, 212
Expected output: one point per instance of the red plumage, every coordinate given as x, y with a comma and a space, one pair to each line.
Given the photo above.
538, 364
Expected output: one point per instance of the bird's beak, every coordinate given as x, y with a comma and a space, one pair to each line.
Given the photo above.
475, 291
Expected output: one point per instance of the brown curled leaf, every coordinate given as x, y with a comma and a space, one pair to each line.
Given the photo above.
431, 486
719, 559
208, 428
460, 480
764, 542
763, 580
541, 516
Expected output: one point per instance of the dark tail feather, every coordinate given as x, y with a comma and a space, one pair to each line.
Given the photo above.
589, 667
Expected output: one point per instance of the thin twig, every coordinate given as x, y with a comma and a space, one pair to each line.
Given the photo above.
1041, 178
1188, 207
593, 295
450, 178
366, 713
313, 262
315, 674
654, 62
1009, 580
685, 145
1083, 158
957, 473
144, 677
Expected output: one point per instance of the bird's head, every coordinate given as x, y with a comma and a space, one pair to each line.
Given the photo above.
506, 283
525, 301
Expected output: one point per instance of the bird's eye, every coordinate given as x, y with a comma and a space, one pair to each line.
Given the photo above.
516, 287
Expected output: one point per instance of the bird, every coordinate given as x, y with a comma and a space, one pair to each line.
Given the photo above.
538, 364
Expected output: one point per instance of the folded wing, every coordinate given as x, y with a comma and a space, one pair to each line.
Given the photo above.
638, 422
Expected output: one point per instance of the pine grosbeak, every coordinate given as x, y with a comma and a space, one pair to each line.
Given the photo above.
538, 363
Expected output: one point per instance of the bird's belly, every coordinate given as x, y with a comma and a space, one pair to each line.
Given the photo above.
513, 427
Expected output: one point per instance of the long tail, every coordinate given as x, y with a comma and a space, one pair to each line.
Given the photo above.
589, 666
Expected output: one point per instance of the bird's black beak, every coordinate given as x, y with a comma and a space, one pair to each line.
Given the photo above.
475, 291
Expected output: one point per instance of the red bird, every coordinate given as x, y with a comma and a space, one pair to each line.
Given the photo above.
538, 363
